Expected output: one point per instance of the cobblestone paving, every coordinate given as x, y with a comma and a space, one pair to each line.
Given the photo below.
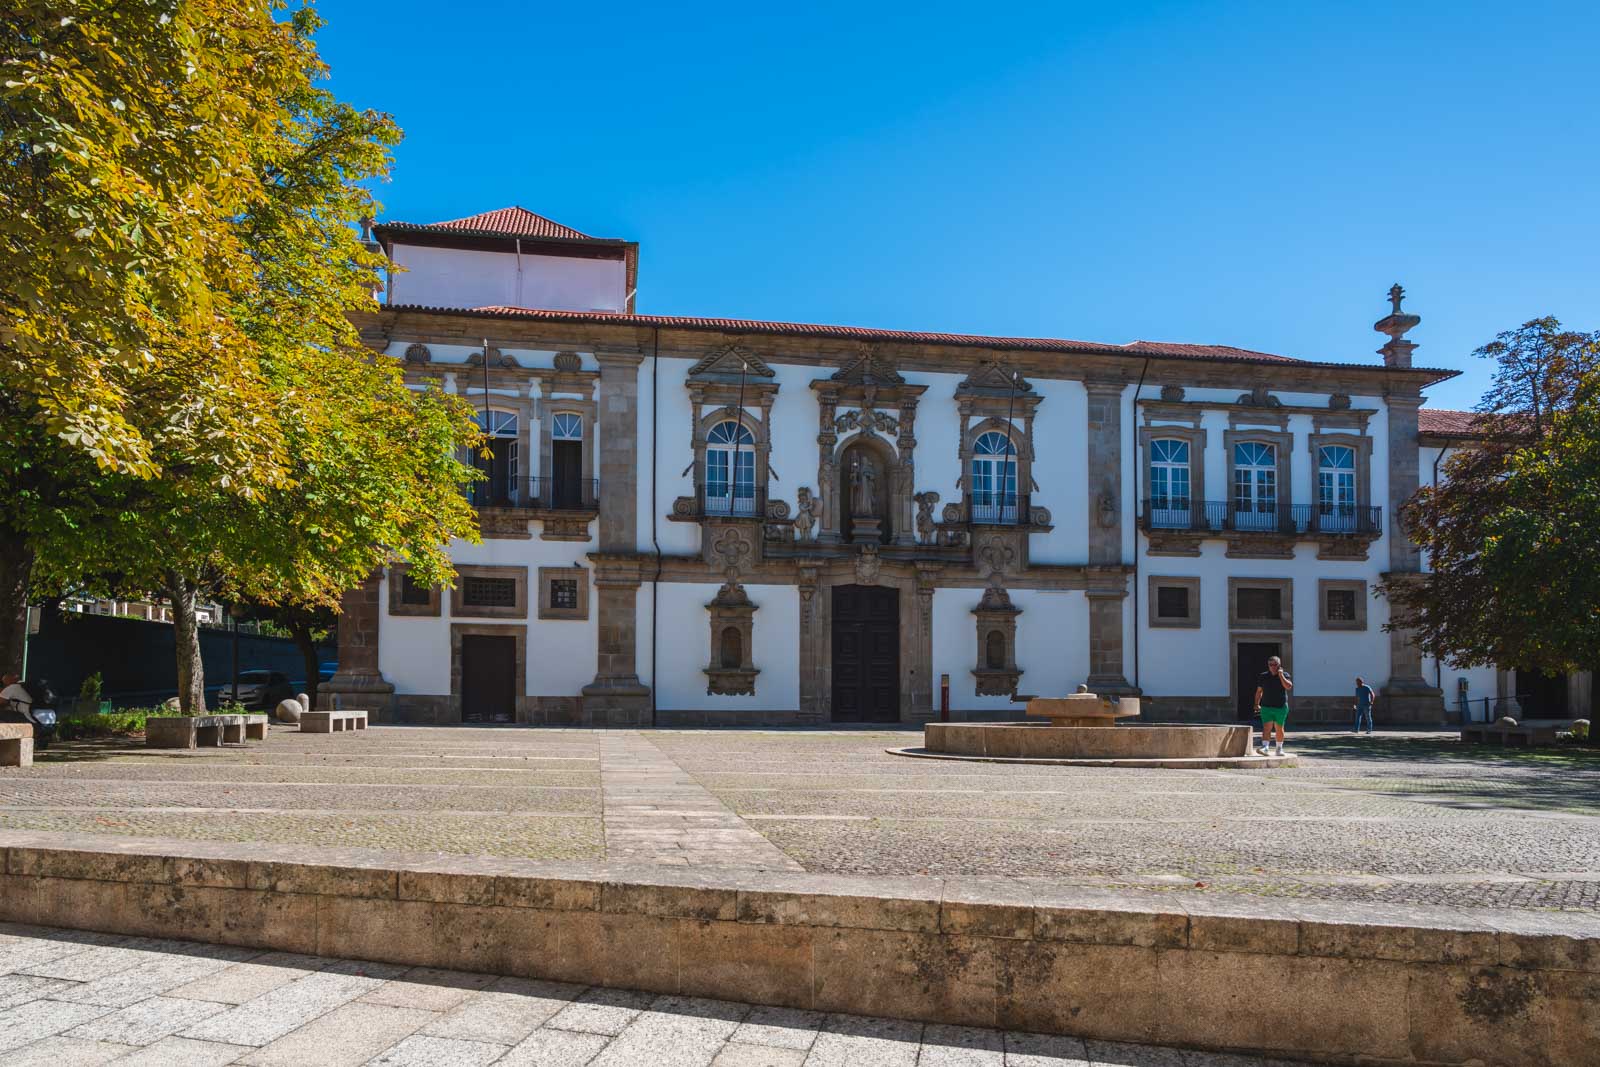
1397, 819
75, 999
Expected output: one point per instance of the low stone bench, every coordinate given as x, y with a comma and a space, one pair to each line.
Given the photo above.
1526, 736
194, 731
332, 722
16, 744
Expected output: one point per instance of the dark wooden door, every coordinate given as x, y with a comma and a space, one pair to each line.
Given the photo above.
866, 654
1253, 656
488, 678
566, 468
495, 489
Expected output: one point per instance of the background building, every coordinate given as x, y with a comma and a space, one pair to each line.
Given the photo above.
706, 520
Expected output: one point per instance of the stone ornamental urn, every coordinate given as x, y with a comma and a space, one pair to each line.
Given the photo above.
1083, 708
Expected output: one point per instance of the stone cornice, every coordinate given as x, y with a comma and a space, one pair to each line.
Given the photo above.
1108, 367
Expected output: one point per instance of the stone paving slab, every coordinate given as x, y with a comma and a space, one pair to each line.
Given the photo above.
1395, 820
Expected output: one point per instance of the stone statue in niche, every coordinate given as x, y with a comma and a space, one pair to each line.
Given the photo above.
925, 525
863, 488
805, 517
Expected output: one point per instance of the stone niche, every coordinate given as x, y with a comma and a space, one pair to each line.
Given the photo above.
867, 415
997, 673
731, 671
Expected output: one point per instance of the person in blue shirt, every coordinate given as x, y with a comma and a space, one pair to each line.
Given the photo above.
1365, 698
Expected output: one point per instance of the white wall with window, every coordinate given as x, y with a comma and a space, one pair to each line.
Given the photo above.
498, 459
1255, 486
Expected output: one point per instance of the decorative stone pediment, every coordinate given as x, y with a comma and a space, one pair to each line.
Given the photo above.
869, 368
497, 358
992, 379
728, 363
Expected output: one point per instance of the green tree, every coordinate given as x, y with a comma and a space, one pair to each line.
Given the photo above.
282, 462
1509, 533
130, 135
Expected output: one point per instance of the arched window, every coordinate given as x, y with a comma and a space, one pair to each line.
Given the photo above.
1336, 487
994, 653
1169, 483
730, 470
732, 651
994, 479
497, 458
1255, 486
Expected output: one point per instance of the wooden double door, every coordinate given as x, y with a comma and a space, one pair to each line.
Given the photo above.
866, 654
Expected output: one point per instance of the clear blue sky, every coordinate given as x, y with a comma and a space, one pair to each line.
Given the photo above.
1255, 174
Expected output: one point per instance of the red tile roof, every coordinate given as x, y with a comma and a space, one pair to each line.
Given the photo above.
1225, 352
510, 221
1443, 422
1155, 349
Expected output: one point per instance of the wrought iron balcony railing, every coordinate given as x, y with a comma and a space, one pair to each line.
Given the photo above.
1235, 516
543, 494
990, 509
722, 502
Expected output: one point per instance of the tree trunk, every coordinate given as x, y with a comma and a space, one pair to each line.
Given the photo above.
308, 653
16, 570
186, 630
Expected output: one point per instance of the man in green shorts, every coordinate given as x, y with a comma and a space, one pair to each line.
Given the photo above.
1272, 704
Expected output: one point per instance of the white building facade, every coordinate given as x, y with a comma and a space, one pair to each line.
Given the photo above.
709, 521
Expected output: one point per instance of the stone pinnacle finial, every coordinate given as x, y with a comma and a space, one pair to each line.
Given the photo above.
1397, 353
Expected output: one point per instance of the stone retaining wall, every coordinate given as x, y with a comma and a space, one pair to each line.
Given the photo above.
1336, 983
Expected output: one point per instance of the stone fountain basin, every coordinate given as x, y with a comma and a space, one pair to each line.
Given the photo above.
1027, 740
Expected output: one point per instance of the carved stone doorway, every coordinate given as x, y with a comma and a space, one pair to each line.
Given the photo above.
866, 653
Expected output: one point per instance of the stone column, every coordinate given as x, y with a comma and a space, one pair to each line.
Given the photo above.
1109, 585
616, 697
359, 684
1409, 698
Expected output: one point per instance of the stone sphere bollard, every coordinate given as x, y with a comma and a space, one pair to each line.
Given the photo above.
1505, 720
288, 711
305, 701
172, 704
1580, 729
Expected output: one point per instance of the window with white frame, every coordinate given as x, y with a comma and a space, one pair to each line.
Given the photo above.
993, 491
497, 459
1255, 486
730, 486
566, 488
1169, 482
1336, 487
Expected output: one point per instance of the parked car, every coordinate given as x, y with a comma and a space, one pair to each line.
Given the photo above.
39, 711
327, 669
258, 689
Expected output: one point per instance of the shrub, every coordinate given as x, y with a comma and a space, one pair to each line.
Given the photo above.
104, 724
89, 691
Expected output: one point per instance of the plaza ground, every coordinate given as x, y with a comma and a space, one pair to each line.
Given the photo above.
1394, 820
1375, 829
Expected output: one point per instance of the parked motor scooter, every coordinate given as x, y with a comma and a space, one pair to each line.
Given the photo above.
40, 712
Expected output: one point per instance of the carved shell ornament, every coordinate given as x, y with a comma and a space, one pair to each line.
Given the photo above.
568, 361
418, 353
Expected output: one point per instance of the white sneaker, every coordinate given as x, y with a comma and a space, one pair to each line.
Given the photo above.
1262, 749
1279, 752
